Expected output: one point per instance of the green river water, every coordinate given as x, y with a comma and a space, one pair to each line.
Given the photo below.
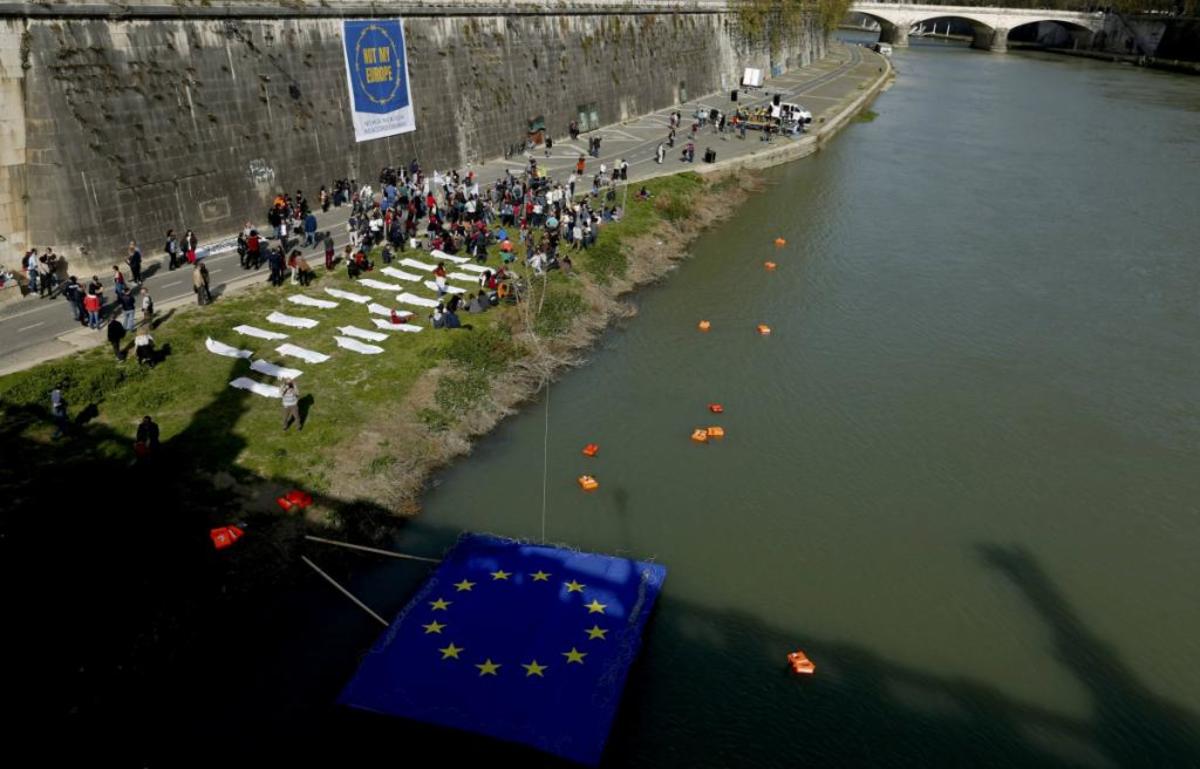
963, 473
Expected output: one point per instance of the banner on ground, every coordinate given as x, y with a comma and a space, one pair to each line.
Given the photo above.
377, 73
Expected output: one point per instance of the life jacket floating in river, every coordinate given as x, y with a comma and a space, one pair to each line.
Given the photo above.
588, 483
716, 408
800, 664
704, 325
700, 435
769, 265
780, 242
764, 329
590, 450
224, 536
716, 432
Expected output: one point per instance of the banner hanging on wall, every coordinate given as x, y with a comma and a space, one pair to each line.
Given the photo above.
377, 73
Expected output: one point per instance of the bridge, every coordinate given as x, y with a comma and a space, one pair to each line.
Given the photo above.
991, 25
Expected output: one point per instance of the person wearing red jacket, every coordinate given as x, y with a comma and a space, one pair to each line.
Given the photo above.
91, 303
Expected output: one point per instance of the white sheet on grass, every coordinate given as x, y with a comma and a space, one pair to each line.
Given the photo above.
258, 388
462, 276
291, 320
369, 283
379, 309
439, 254
357, 346
340, 294
220, 348
261, 333
362, 333
418, 265
413, 299
299, 352
410, 328
432, 286
401, 274
476, 268
270, 369
309, 301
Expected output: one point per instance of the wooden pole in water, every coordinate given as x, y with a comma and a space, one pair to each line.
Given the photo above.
344, 591
377, 551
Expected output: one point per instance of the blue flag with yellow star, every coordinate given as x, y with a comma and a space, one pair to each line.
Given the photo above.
523, 642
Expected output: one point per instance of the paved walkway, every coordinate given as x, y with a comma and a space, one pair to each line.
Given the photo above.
33, 330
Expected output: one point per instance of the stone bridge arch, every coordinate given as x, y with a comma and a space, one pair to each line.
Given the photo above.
990, 25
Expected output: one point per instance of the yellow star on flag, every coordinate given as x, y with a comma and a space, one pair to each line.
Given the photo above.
501, 574
466, 584
595, 631
540, 576
488, 668
574, 587
595, 607
451, 651
440, 603
534, 669
574, 655
433, 627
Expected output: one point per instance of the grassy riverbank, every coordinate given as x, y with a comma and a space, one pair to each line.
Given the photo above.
376, 425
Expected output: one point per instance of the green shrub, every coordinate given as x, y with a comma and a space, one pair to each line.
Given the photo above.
558, 310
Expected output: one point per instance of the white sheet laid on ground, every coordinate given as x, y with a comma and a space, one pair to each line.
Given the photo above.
270, 369
418, 265
418, 301
220, 348
299, 352
462, 276
476, 268
261, 333
432, 286
401, 274
441, 255
362, 333
258, 388
309, 301
291, 320
369, 283
340, 294
379, 309
410, 328
357, 346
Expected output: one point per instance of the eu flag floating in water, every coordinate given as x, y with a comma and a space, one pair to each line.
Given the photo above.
523, 642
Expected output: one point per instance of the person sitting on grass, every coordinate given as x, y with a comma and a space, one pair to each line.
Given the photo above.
437, 318
479, 303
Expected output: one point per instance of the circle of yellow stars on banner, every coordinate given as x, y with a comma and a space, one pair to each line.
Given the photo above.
439, 609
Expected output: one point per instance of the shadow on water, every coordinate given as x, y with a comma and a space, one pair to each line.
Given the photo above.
155, 649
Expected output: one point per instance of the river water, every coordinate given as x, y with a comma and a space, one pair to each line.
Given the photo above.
962, 473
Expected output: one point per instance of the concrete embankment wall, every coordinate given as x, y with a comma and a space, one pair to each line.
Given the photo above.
121, 121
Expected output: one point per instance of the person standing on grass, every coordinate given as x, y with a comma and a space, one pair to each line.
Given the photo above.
134, 260
58, 410
128, 304
328, 252
291, 404
116, 332
146, 443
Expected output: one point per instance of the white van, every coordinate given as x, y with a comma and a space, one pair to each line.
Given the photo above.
794, 113
882, 48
